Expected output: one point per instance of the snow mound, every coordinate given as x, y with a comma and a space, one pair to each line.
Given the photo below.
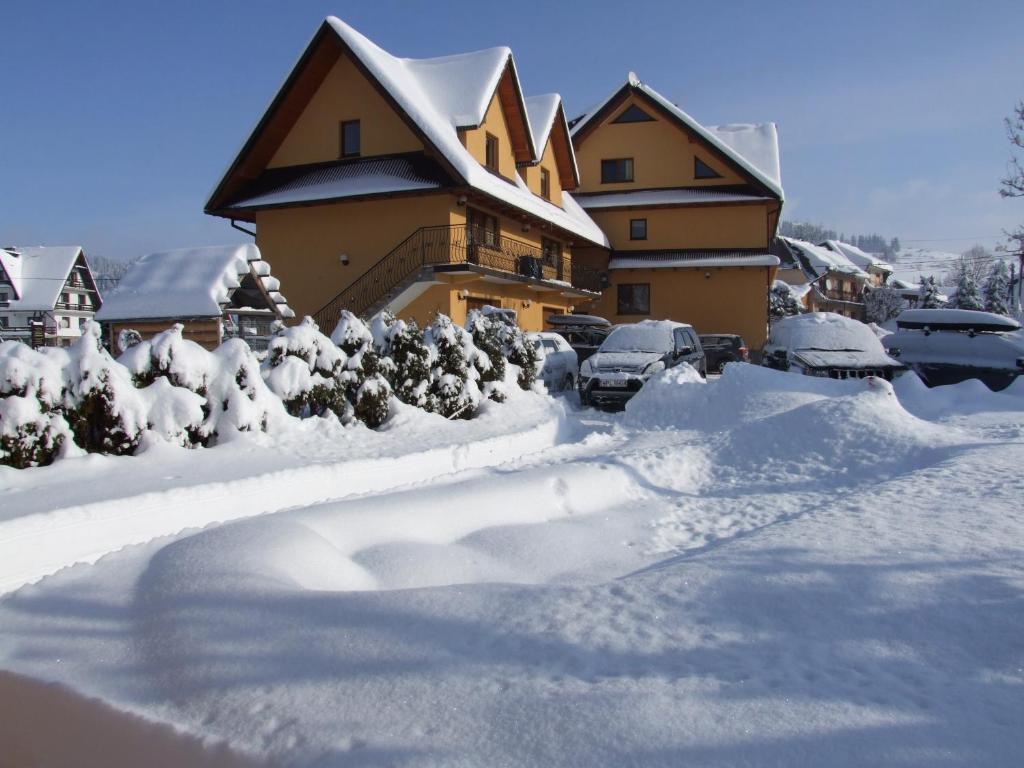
965, 397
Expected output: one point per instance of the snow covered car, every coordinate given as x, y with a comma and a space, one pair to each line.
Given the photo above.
722, 348
559, 370
827, 344
944, 346
632, 354
583, 332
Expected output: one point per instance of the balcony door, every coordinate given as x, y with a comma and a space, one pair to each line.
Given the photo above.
481, 230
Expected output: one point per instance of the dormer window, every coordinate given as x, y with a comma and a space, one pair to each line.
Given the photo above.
617, 171
702, 170
351, 145
545, 183
491, 153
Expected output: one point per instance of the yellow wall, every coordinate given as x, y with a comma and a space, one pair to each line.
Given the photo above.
344, 95
475, 140
731, 300
304, 245
661, 151
531, 174
705, 226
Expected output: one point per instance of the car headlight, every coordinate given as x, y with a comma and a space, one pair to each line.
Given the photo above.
586, 369
656, 367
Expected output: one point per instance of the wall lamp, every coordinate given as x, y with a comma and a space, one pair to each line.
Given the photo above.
707, 275
461, 200
343, 259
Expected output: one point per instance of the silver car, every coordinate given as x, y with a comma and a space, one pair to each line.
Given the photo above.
560, 370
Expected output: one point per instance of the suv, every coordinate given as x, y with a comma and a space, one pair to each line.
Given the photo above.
583, 332
722, 348
632, 354
945, 346
827, 344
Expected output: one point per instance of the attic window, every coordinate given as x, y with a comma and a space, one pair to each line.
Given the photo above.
545, 183
633, 115
350, 139
702, 170
616, 171
491, 156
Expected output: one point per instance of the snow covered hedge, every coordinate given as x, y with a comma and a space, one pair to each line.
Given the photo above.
81, 398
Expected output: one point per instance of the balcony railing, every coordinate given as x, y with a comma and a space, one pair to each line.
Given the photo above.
73, 306
452, 245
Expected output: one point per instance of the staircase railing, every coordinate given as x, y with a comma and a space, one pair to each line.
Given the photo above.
452, 244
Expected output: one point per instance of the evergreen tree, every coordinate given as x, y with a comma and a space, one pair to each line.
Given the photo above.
781, 301
454, 393
928, 293
410, 377
882, 304
487, 336
967, 296
997, 289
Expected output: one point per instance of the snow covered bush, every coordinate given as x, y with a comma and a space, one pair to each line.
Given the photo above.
128, 338
410, 358
782, 301
997, 289
239, 399
882, 304
928, 293
521, 352
487, 336
372, 400
967, 296
364, 364
307, 371
453, 381
32, 425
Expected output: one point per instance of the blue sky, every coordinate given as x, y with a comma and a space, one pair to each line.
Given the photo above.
119, 117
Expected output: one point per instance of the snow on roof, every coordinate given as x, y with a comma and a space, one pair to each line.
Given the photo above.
754, 147
856, 256
189, 282
823, 331
822, 260
422, 90
662, 197
10, 269
38, 274
691, 259
541, 111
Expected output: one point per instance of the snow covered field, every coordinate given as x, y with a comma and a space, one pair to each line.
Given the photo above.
766, 569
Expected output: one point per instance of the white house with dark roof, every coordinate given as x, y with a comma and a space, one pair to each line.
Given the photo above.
47, 294
215, 292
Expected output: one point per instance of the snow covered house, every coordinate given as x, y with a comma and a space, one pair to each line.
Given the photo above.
47, 294
878, 270
415, 185
215, 292
835, 282
690, 212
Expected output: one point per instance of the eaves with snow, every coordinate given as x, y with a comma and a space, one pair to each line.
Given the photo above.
193, 283
438, 97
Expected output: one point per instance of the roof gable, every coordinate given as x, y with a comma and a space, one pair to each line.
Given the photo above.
759, 141
41, 273
547, 121
10, 269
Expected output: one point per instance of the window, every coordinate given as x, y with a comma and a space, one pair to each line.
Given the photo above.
65, 298
635, 299
491, 155
638, 229
633, 114
81, 322
65, 322
351, 145
545, 184
4, 297
617, 171
552, 250
702, 170
483, 228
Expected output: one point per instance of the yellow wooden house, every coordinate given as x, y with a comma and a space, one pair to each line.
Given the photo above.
414, 185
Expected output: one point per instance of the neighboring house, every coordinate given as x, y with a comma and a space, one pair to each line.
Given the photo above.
911, 292
879, 270
216, 293
689, 210
414, 185
47, 294
836, 283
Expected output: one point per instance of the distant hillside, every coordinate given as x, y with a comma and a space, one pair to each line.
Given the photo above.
817, 233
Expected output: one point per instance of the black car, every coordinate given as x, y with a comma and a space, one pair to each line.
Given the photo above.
722, 348
585, 333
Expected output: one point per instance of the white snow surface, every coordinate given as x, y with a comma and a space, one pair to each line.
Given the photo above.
941, 317
188, 282
762, 569
822, 259
38, 275
858, 257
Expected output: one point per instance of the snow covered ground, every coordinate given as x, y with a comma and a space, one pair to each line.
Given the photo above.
766, 569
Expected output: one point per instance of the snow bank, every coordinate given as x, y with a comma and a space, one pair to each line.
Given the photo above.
966, 397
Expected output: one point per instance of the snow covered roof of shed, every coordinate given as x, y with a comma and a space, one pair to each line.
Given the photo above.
752, 146
655, 197
439, 96
856, 256
188, 282
38, 274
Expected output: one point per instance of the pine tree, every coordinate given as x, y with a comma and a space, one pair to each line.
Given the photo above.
997, 289
454, 393
882, 304
411, 370
781, 301
487, 336
967, 296
928, 293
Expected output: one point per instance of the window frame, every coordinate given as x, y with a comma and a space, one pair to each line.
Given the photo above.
632, 236
551, 250
633, 114
490, 140
344, 152
630, 305
545, 183
606, 164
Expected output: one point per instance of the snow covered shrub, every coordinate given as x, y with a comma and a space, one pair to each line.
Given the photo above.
782, 301
967, 296
487, 336
104, 409
32, 426
520, 351
363, 363
239, 399
372, 398
928, 293
997, 289
453, 388
882, 304
128, 338
410, 358
307, 371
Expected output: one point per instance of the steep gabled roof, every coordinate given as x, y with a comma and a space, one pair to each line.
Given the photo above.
10, 269
855, 255
189, 282
753, 149
817, 260
436, 98
40, 273
547, 121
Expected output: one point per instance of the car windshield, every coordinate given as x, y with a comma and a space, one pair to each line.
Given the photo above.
639, 338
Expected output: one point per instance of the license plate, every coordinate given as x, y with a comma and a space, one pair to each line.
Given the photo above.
615, 383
